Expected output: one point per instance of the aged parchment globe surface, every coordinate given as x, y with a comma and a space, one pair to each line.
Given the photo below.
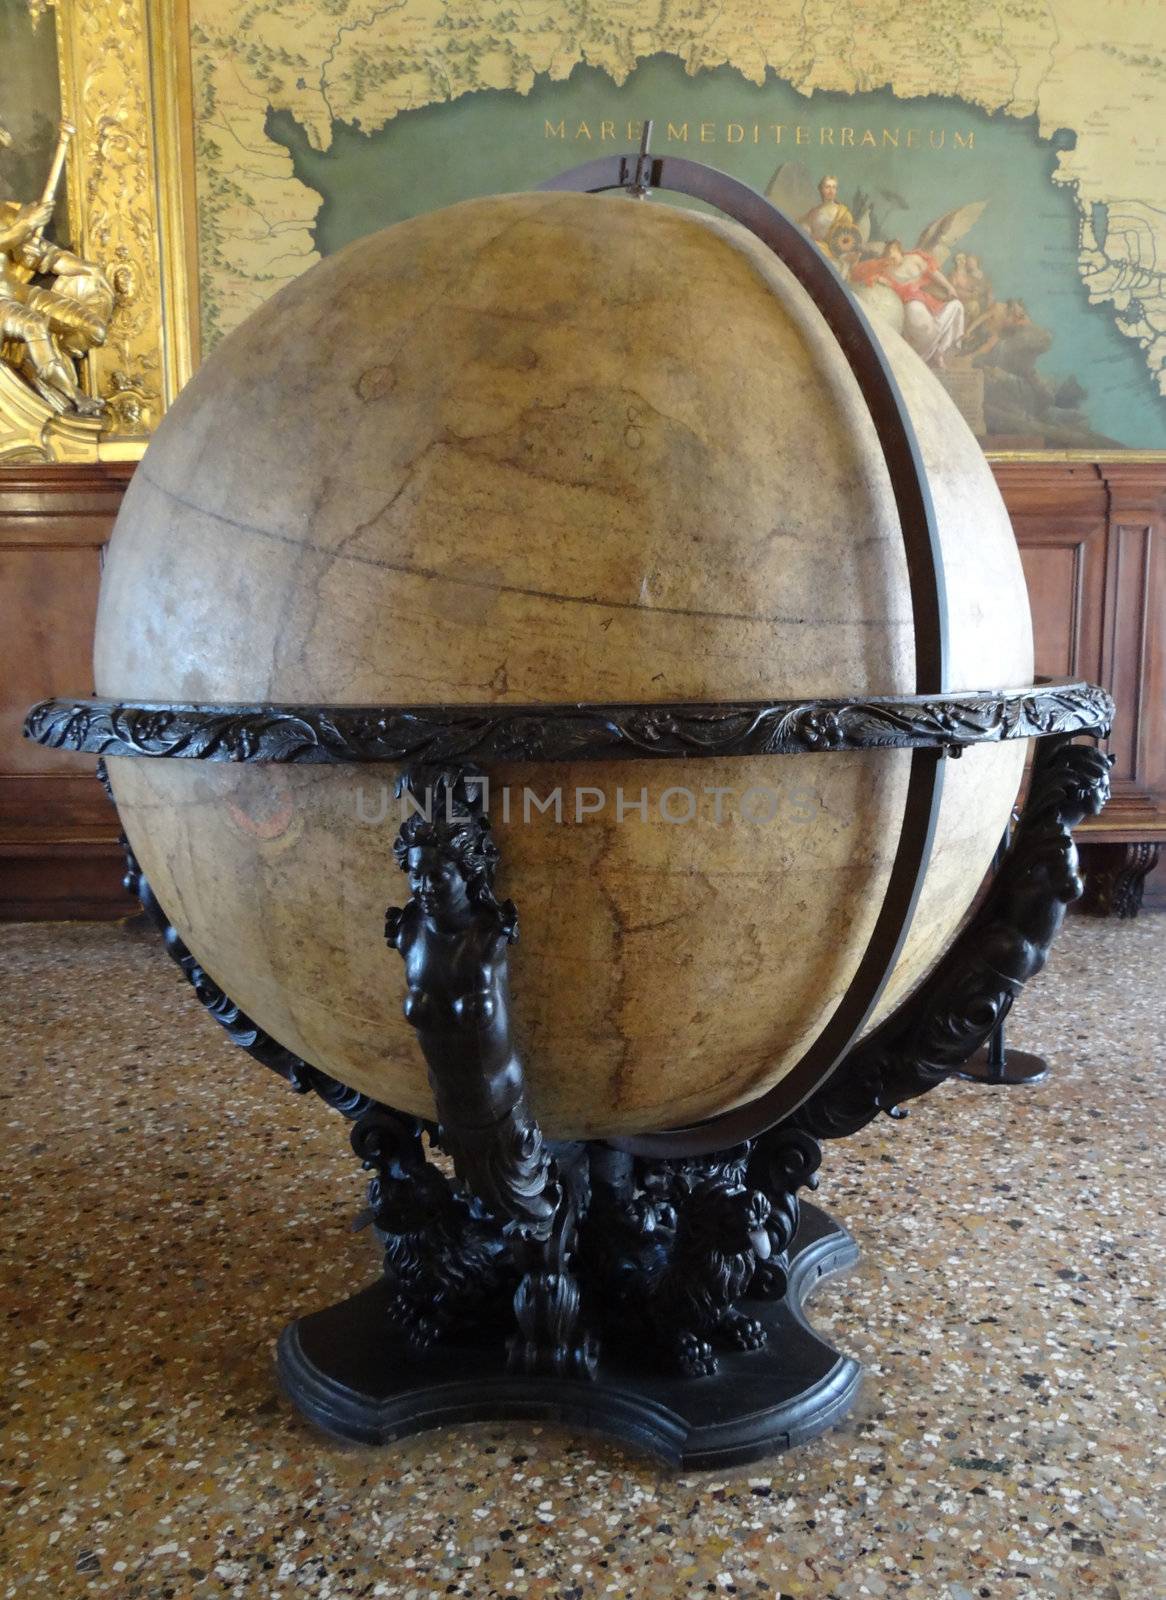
553, 447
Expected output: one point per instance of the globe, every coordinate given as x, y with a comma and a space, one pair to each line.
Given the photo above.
543, 449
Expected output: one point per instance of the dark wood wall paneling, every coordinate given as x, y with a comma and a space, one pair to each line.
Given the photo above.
1091, 538
1092, 541
59, 855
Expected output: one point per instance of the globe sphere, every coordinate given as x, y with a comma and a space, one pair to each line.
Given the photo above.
546, 448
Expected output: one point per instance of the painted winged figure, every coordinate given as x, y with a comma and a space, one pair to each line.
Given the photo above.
909, 288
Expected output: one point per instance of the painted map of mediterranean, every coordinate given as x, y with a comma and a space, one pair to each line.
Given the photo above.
1018, 149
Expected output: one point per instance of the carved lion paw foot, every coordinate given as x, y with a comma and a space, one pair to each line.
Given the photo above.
694, 1356
741, 1332
420, 1330
770, 1281
423, 1333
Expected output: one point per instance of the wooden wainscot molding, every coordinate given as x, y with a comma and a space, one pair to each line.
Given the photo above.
59, 853
1091, 537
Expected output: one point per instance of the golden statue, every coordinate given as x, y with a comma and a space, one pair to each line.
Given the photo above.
54, 306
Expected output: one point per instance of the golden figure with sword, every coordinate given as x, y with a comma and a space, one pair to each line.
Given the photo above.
54, 306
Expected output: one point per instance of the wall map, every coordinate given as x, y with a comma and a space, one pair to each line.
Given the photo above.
999, 189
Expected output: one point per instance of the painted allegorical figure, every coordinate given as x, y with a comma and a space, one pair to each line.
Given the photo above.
828, 221
933, 323
972, 284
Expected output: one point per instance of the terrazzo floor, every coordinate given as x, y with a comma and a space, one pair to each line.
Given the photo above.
167, 1205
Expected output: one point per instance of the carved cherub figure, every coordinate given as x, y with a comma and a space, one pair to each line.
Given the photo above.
1032, 899
1005, 945
454, 934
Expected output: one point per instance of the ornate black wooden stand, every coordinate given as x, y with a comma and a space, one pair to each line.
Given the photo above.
355, 1376
650, 1287
995, 1064
656, 1298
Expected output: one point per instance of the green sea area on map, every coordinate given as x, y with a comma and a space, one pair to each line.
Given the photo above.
947, 155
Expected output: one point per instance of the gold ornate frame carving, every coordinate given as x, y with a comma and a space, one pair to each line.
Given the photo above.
125, 87
173, 127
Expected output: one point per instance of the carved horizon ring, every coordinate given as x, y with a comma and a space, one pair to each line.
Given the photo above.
429, 735
440, 736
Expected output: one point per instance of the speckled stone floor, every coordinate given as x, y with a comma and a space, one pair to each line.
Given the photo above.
167, 1205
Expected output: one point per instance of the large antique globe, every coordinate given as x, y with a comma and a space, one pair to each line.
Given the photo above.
548, 448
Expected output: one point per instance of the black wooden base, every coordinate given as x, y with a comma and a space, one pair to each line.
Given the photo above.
347, 1371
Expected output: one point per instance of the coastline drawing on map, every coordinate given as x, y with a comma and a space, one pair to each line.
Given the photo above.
988, 230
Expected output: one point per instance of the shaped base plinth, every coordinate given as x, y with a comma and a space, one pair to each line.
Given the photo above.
348, 1372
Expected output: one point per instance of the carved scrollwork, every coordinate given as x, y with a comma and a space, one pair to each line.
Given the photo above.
115, 202
449, 1263
458, 735
975, 984
248, 1035
552, 1334
662, 1258
781, 1162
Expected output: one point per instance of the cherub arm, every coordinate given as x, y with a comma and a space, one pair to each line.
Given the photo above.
394, 919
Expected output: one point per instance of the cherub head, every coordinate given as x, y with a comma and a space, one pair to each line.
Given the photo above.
450, 863
438, 883
449, 855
